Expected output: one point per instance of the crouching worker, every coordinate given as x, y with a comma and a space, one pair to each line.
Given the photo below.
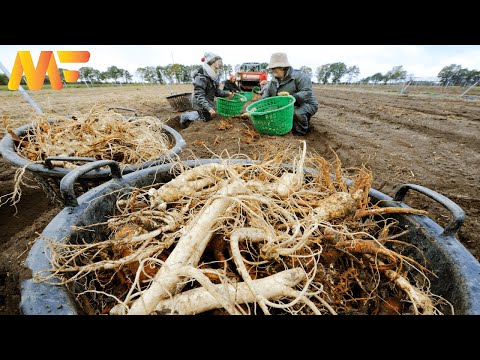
287, 81
231, 84
206, 81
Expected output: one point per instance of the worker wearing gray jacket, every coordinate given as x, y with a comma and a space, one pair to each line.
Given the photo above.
206, 81
287, 81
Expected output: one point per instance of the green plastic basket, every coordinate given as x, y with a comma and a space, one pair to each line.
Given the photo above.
247, 94
273, 115
232, 106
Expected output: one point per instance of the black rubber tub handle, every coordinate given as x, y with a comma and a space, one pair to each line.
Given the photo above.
68, 181
458, 215
48, 160
123, 108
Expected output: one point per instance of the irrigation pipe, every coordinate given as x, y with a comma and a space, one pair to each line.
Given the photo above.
22, 90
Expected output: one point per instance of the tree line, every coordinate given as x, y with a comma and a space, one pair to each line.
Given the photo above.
450, 75
172, 74
4, 78
396, 74
328, 73
456, 75
339, 72
335, 72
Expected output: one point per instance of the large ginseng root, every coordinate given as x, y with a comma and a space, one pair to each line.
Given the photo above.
188, 183
422, 304
199, 300
188, 250
337, 206
289, 183
251, 234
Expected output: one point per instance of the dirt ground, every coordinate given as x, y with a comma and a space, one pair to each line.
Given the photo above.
426, 138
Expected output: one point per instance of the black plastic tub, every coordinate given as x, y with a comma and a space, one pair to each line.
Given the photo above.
49, 176
457, 270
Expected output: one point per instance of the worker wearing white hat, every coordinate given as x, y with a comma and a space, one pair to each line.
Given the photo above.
287, 81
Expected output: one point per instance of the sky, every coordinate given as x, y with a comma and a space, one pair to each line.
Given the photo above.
423, 61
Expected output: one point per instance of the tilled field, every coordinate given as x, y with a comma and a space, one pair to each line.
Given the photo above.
417, 138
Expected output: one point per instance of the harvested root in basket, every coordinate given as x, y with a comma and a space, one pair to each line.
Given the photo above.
250, 239
100, 134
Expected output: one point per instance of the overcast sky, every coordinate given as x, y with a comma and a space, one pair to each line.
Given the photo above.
423, 61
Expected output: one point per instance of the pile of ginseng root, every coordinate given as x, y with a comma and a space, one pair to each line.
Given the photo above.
236, 238
99, 134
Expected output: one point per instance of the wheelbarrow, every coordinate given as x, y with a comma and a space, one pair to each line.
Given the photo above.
49, 176
457, 271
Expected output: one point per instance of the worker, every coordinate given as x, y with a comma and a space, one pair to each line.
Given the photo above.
231, 85
287, 81
263, 77
263, 83
206, 81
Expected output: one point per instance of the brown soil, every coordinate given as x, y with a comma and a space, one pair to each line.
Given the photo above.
416, 138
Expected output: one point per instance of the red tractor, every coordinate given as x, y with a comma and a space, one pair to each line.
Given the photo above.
249, 75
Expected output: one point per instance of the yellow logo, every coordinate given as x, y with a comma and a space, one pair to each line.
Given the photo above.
35, 76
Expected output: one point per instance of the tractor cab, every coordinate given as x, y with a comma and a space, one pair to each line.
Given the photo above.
248, 75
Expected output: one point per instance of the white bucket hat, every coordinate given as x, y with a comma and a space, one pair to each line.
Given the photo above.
278, 60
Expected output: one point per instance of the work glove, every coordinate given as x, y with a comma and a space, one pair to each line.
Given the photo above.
283, 93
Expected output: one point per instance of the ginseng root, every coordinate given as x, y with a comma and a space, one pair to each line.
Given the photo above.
199, 300
188, 250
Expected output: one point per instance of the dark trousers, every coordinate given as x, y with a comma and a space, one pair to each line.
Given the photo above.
301, 118
204, 115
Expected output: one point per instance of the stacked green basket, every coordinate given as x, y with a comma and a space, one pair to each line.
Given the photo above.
247, 94
232, 106
273, 115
